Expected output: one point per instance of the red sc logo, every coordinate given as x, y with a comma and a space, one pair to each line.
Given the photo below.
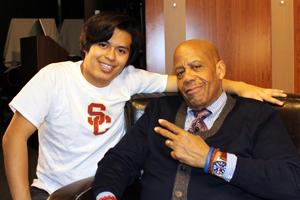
98, 117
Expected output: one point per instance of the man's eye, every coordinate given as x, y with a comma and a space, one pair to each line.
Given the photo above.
123, 51
196, 67
180, 73
103, 44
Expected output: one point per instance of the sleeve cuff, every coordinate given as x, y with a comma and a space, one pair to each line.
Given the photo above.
106, 196
230, 167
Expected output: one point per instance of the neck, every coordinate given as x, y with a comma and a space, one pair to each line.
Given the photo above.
91, 80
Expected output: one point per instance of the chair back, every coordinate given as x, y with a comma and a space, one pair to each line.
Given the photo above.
289, 112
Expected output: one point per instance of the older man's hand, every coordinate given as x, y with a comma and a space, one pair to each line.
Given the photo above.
186, 148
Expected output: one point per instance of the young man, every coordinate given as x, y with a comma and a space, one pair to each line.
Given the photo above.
203, 145
77, 107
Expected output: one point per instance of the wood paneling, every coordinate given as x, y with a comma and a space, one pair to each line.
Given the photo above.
241, 29
155, 42
297, 45
174, 32
283, 45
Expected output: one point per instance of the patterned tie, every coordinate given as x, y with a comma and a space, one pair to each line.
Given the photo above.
198, 123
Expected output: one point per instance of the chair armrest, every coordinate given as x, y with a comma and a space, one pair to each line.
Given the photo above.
79, 190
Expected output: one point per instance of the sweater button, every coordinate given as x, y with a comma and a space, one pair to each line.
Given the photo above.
178, 194
183, 168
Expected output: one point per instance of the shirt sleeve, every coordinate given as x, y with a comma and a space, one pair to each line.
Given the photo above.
105, 195
231, 164
34, 99
142, 81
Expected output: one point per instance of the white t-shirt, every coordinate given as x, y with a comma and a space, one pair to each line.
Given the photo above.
77, 122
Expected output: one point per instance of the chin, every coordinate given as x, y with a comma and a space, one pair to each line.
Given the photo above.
195, 103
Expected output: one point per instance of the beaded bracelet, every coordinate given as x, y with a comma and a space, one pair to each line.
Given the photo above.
206, 165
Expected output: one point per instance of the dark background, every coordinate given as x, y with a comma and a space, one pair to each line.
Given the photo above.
10, 83
76, 9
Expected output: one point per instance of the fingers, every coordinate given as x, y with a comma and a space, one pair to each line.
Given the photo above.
274, 101
170, 126
169, 143
170, 131
277, 93
173, 155
165, 133
269, 94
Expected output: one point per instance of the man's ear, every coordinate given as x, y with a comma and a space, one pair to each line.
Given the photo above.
221, 69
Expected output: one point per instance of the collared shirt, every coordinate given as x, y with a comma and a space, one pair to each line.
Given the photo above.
215, 109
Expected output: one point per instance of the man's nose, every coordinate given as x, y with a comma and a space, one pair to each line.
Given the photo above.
110, 53
188, 77
188, 74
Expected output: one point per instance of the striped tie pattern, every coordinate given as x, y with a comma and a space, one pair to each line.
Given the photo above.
198, 123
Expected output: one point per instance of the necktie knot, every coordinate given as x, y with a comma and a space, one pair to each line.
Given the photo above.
202, 114
198, 123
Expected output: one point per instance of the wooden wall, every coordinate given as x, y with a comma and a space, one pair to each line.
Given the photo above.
155, 41
241, 29
297, 45
283, 45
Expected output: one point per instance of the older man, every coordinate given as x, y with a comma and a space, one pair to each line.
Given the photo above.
206, 145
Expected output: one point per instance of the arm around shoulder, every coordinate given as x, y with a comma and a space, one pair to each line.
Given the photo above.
254, 92
171, 84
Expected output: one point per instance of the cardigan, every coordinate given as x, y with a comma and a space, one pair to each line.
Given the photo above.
268, 165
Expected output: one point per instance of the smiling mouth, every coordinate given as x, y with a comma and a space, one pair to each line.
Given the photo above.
105, 67
194, 89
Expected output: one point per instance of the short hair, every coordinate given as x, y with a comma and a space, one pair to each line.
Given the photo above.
100, 28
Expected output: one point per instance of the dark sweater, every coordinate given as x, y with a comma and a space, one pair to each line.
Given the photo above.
268, 165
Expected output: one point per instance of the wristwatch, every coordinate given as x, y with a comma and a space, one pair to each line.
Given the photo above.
219, 164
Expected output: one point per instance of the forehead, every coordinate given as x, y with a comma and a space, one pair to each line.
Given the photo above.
187, 54
120, 38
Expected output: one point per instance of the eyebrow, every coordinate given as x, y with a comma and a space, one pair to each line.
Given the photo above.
179, 66
195, 62
119, 46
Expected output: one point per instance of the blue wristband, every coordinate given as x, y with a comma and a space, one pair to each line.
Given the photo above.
206, 165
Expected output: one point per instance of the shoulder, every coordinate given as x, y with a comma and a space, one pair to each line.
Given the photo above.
59, 70
247, 102
254, 107
61, 66
166, 102
140, 81
132, 71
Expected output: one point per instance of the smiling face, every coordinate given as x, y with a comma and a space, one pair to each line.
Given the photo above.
199, 72
105, 60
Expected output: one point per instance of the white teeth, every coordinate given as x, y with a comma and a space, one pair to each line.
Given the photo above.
106, 68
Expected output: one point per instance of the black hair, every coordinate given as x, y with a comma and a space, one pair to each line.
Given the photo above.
100, 28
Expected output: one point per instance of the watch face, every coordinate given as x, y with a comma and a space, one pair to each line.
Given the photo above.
219, 167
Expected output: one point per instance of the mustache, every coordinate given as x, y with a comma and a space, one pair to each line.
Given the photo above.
190, 84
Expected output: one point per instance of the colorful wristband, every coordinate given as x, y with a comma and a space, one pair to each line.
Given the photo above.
218, 163
213, 155
206, 165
